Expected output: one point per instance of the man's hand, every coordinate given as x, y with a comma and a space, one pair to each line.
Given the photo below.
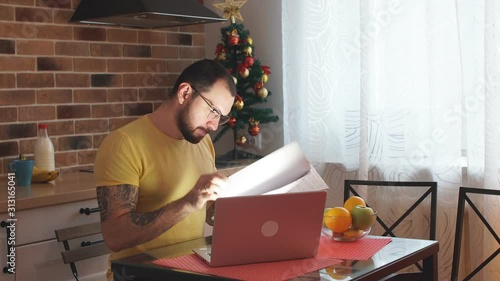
206, 189
210, 213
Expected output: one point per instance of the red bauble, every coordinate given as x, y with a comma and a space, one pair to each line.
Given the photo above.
248, 61
232, 122
244, 72
233, 40
254, 130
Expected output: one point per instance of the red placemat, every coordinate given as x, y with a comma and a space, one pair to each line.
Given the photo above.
361, 249
329, 254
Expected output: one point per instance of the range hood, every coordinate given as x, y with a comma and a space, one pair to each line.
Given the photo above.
144, 13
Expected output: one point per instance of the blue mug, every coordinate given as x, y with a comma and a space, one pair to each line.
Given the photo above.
23, 170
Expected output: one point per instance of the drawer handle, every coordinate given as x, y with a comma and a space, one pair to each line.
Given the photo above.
88, 243
88, 211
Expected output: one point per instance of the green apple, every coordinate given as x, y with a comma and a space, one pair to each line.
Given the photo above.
362, 217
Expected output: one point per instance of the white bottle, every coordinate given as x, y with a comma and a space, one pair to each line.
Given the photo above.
44, 150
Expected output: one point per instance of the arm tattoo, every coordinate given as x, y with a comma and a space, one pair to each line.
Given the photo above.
124, 197
116, 197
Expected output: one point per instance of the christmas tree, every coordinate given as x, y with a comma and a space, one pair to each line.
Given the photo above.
236, 53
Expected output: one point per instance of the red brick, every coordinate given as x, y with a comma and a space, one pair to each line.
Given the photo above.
86, 156
19, 2
35, 47
18, 131
17, 63
17, 97
122, 65
106, 80
6, 13
66, 158
27, 147
8, 114
106, 50
7, 47
107, 110
63, 16
7, 80
74, 143
61, 4
35, 80
198, 39
137, 109
54, 32
59, 128
73, 111
72, 80
165, 52
73, 49
142, 51
195, 28
177, 66
152, 37
37, 113
192, 52
116, 123
54, 64
90, 65
54, 96
18, 30
85, 127
179, 39
37, 15
10, 148
90, 33
89, 96
152, 66
154, 94
137, 80
122, 95
122, 36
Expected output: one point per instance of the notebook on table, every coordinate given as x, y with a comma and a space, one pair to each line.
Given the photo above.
264, 228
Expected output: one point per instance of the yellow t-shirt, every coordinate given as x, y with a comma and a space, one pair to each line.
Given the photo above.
164, 169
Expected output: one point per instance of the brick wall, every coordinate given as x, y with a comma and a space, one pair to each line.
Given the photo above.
82, 80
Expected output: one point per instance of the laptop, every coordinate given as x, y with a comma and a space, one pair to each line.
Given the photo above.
265, 228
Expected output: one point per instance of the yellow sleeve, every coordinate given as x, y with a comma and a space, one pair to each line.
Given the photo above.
117, 161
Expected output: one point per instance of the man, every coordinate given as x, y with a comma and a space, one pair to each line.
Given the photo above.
156, 174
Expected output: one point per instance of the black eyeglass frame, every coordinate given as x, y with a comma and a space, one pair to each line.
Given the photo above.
214, 113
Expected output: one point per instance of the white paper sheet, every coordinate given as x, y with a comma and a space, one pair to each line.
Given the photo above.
284, 170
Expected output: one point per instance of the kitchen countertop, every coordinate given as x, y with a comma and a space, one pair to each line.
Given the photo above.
67, 188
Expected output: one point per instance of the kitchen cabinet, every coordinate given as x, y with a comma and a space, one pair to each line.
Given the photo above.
38, 253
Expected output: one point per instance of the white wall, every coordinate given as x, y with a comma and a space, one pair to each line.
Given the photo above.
262, 18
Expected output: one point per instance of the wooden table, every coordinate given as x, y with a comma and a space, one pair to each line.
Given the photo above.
398, 254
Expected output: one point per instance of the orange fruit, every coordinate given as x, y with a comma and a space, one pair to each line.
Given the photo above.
338, 219
353, 201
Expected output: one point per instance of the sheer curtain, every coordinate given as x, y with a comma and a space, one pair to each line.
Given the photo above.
396, 90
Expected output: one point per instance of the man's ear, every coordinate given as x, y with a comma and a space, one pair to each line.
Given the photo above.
184, 92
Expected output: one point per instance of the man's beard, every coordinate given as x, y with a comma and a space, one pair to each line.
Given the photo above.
187, 130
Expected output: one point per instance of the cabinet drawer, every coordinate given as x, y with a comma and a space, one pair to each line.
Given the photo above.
35, 225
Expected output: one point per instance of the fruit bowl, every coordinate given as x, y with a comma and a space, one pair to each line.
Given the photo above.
358, 229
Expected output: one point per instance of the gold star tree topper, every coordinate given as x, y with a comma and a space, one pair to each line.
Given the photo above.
231, 9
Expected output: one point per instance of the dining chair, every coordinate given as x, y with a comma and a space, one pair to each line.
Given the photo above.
85, 249
399, 217
466, 195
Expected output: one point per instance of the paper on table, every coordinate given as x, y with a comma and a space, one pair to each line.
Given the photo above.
283, 170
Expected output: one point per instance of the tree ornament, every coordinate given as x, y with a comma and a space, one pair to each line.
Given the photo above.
250, 40
241, 140
234, 38
247, 51
238, 103
221, 56
265, 78
265, 69
235, 80
253, 129
257, 86
262, 93
248, 61
244, 72
231, 9
232, 122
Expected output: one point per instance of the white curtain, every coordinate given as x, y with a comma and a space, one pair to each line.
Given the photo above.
396, 90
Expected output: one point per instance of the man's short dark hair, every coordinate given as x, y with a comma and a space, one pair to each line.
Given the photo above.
203, 74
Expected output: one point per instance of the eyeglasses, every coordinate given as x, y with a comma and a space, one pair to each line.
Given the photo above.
214, 113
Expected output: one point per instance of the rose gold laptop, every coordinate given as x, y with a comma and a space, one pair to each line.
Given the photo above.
264, 228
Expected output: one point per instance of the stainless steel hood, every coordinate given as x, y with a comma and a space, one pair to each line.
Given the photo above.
144, 13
